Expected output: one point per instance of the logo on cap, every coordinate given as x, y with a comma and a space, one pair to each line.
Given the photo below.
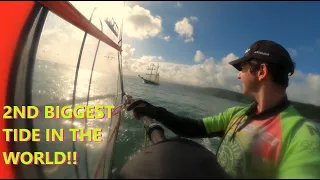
247, 51
262, 53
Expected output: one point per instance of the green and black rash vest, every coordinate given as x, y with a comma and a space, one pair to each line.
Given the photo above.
277, 143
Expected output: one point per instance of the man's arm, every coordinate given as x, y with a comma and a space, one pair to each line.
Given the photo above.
220, 122
196, 128
182, 126
302, 156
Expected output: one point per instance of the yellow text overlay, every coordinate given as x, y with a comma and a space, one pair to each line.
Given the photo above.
53, 135
37, 158
56, 112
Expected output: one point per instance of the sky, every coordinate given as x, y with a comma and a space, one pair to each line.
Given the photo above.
194, 41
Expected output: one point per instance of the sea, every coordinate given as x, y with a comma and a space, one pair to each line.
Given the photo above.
53, 84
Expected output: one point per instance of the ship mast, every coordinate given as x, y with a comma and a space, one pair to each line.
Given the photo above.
157, 74
151, 69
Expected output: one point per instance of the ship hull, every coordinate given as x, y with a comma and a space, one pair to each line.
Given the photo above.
148, 81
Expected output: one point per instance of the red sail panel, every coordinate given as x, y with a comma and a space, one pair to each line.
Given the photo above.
13, 18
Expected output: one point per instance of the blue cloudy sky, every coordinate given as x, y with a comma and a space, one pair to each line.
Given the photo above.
194, 41
224, 27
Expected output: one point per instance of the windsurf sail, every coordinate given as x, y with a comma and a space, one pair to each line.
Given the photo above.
65, 75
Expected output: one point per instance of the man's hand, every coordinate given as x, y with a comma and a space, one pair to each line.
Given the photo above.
143, 108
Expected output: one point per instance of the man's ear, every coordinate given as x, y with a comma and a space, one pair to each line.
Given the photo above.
263, 72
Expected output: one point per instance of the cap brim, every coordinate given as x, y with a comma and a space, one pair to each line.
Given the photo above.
237, 63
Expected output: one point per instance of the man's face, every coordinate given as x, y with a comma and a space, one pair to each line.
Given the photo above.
250, 82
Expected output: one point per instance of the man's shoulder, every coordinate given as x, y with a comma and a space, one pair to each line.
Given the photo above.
299, 128
293, 120
232, 111
309, 130
291, 114
237, 110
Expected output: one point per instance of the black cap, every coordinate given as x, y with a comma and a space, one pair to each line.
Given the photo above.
265, 50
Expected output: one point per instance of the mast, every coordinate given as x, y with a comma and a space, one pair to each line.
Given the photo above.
157, 74
108, 154
151, 69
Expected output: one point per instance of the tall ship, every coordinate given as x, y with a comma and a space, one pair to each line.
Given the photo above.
152, 78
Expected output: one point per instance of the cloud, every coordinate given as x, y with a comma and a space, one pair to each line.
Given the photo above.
128, 51
167, 38
147, 59
230, 57
185, 29
219, 74
306, 89
138, 22
179, 4
193, 19
292, 52
297, 76
199, 56
141, 24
